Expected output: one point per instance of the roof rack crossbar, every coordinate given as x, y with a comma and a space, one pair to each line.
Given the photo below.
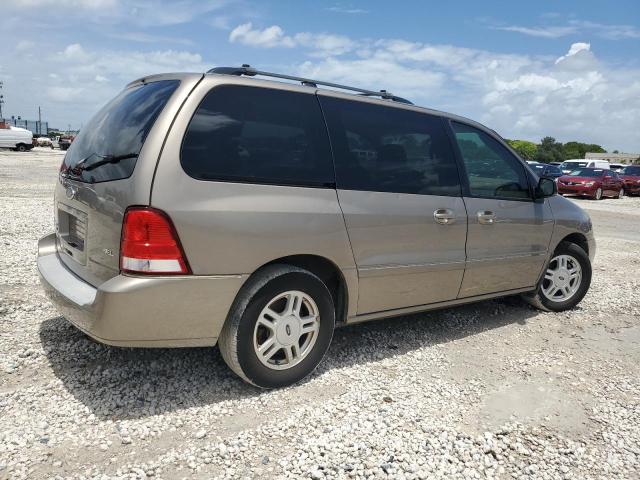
252, 72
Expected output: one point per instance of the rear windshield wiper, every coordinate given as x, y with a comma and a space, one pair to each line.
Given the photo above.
106, 159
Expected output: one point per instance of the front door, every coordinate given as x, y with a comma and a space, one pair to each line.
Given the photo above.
399, 190
508, 232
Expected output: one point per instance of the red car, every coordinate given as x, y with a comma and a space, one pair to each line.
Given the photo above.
591, 182
631, 177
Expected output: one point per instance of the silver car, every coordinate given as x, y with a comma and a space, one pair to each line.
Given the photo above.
259, 215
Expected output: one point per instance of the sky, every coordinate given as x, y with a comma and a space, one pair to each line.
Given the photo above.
567, 69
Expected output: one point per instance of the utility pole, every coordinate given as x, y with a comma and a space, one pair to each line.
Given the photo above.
1, 99
39, 121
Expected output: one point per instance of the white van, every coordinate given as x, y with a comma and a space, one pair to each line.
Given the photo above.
569, 165
15, 138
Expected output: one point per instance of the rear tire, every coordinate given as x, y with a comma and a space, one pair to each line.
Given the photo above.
576, 255
21, 148
269, 339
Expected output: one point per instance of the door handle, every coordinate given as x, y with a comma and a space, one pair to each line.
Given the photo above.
486, 217
444, 216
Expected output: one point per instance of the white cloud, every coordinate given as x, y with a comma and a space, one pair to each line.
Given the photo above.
320, 44
24, 45
71, 85
62, 4
574, 27
575, 97
545, 32
272, 36
579, 58
145, 13
75, 53
349, 10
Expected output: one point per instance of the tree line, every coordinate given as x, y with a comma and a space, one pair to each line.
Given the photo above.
549, 150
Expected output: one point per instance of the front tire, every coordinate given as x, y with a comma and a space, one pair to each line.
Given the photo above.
566, 280
598, 194
621, 193
279, 327
21, 148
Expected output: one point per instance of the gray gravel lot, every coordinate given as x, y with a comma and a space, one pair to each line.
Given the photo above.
492, 390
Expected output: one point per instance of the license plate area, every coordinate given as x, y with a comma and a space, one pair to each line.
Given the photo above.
71, 231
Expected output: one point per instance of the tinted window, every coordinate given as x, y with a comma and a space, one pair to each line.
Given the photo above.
108, 145
250, 134
491, 170
631, 171
570, 165
587, 172
386, 149
551, 169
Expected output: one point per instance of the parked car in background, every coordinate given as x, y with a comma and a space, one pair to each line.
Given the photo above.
545, 170
630, 175
617, 167
65, 142
595, 183
569, 165
555, 163
259, 215
45, 142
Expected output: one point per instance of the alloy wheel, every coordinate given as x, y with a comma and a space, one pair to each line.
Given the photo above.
286, 330
562, 279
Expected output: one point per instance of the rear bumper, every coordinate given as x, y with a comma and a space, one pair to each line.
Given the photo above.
176, 311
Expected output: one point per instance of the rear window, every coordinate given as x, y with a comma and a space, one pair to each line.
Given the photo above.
108, 145
258, 135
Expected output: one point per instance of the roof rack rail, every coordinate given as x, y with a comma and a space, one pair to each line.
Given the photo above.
249, 71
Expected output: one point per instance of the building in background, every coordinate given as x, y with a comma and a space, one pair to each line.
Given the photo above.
37, 127
627, 158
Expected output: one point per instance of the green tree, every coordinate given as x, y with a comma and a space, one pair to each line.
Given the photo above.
549, 151
525, 149
579, 149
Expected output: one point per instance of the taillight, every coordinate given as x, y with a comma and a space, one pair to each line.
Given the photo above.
150, 243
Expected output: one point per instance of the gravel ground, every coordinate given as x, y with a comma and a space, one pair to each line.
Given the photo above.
492, 390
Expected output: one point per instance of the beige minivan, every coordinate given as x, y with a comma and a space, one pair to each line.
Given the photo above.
219, 208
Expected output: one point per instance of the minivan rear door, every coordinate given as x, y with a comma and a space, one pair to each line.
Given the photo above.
399, 191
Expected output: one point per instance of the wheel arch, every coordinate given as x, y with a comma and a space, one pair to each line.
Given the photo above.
577, 238
327, 271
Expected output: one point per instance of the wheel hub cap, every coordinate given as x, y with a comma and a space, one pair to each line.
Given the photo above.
288, 330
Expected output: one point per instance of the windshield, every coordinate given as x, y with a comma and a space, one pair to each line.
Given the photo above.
553, 169
631, 171
108, 146
587, 172
572, 165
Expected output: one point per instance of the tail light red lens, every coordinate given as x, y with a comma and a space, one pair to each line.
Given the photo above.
150, 244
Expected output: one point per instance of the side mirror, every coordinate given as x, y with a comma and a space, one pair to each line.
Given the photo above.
546, 188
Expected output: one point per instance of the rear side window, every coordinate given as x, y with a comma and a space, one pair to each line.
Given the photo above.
385, 149
107, 147
258, 135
